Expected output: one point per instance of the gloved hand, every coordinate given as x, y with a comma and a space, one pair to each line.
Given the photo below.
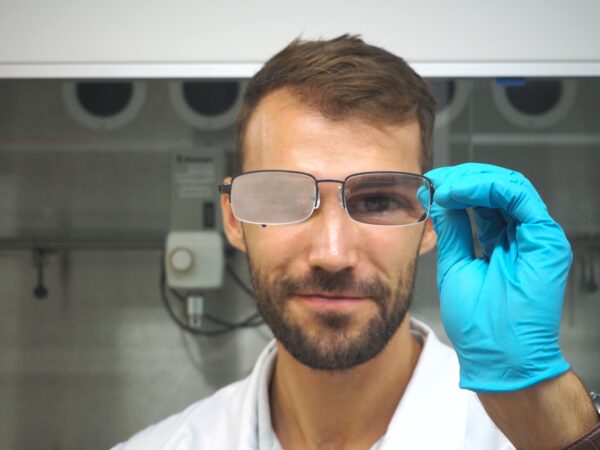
501, 311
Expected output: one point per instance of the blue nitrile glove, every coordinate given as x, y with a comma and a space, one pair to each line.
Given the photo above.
502, 311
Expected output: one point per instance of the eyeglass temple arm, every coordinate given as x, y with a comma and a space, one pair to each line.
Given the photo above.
431, 192
225, 189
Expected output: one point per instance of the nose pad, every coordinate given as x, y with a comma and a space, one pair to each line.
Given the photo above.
341, 196
318, 199
317, 194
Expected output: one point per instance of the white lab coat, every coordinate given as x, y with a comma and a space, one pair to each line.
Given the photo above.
434, 412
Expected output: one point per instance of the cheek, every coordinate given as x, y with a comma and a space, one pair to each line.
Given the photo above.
393, 250
278, 250
274, 246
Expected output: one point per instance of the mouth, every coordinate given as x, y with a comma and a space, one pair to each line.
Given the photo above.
331, 301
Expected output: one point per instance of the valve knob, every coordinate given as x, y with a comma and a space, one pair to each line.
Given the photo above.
181, 259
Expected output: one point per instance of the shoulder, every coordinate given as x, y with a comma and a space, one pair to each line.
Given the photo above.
192, 427
226, 419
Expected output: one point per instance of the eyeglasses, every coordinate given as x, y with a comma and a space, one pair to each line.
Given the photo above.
281, 197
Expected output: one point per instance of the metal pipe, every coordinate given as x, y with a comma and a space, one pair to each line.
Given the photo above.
153, 244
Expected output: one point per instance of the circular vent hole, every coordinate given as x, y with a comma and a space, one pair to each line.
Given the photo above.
104, 99
536, 97
210, 98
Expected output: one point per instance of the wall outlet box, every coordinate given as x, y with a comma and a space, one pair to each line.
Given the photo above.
194, 260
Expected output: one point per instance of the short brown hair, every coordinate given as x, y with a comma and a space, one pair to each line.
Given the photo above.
344, 77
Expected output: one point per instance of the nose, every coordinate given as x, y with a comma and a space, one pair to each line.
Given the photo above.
334, 240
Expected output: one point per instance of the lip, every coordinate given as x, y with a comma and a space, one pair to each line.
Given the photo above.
331, 302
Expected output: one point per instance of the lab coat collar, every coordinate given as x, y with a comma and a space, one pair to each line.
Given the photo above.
432, 412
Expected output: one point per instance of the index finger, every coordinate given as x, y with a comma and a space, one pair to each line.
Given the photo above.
469, 185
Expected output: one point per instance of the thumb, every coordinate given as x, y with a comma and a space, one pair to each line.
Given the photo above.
455, 239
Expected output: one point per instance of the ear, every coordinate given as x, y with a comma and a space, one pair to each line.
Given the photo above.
232, 226
429, 238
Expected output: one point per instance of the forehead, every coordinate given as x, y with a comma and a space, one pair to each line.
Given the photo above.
283, 133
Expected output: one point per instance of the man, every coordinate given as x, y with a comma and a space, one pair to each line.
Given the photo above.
329, 204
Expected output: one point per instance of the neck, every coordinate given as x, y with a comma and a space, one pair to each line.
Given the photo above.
346, 409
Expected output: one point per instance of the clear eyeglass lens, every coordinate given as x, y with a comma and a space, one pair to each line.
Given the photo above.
387, 198
273, 197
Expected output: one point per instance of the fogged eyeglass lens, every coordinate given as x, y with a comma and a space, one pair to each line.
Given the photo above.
387, 199
273, 197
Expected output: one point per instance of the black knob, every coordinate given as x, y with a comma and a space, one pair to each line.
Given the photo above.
40, 292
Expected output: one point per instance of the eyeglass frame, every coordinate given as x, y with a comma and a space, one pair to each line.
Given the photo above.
226, 189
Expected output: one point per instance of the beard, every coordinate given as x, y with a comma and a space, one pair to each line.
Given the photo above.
333, 347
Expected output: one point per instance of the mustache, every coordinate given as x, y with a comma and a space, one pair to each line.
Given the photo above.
325, 282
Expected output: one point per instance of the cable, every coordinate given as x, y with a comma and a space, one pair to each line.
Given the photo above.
247, 322
253, 320
179, 322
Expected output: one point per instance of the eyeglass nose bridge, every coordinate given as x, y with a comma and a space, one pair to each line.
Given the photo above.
340, 191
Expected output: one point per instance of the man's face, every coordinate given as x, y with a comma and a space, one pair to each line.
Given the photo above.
333, 290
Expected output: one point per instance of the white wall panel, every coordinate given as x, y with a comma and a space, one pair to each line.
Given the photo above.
157, 32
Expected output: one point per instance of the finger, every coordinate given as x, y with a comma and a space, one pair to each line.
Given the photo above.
517, 201
490, 177
548, 247
442, 175
537, 235
491, 225
490, 222
455, 239
515, 196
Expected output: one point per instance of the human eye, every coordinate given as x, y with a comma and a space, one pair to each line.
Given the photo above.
372, 203
383, 199
376, 202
